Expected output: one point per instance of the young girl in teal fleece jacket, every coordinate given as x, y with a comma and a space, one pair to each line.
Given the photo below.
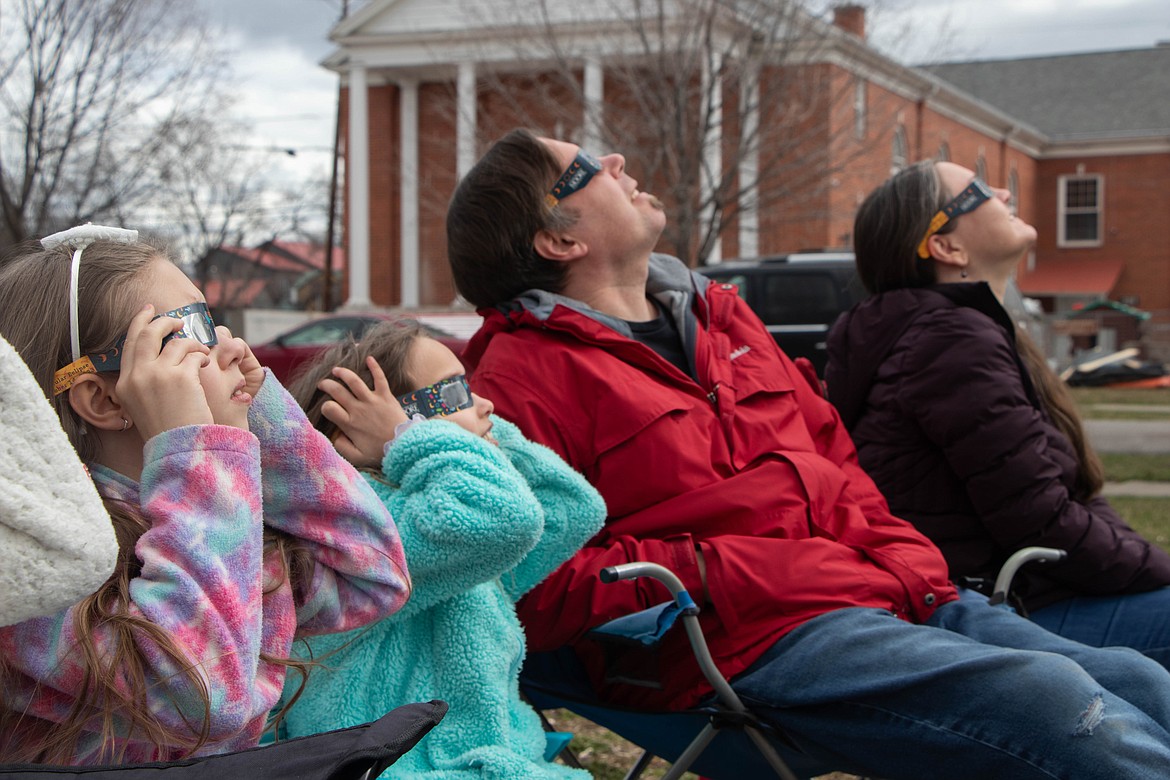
484, 515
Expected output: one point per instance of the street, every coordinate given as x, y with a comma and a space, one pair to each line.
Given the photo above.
1142, 436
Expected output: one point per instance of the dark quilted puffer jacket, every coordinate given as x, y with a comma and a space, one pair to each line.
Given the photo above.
948, 424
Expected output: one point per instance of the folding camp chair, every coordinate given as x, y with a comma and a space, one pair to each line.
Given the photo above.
357, 753
720, 739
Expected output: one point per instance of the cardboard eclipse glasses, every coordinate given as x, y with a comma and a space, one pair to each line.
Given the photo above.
197, 324
438, 400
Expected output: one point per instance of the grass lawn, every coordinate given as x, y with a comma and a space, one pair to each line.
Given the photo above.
1088, 398
1124, 466
1149, 516
606, 755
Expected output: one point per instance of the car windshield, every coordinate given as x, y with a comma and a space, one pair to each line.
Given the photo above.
325, 332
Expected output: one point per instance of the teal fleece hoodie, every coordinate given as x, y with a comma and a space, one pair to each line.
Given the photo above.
481, 524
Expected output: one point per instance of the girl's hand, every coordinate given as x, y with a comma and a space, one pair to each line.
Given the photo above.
160, 390
365, 418
252, 370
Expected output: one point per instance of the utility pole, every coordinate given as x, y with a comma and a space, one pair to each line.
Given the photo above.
327, 286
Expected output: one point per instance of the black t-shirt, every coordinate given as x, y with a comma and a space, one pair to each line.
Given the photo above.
661, 335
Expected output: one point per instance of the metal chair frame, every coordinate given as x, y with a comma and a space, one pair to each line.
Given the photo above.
728, 703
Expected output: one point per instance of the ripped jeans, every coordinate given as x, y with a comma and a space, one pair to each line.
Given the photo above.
977, 692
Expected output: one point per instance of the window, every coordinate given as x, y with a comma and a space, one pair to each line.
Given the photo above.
1079, 206
981, 167
944, 152
900, 151
801, 298
324, 332
1014, 191
859, 110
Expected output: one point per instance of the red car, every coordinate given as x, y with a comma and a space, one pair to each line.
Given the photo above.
288, 351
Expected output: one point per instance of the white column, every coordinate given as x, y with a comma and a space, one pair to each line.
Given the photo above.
749, 167
358, 169
594, 88
712, 165
466, 120
408, 193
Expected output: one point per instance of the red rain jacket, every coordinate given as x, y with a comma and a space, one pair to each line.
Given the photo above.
750, 464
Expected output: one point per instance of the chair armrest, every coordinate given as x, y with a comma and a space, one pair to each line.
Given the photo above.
1007, 572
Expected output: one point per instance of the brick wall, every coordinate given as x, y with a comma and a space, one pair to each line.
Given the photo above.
1136, 228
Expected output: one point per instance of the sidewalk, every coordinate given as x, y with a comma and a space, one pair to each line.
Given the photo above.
1137, 488
1140, 436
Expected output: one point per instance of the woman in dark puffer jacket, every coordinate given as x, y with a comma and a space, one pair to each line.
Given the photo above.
963, 426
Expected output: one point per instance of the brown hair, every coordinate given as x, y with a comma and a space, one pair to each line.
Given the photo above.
389, 343
34, 317
889, 225
1061, 409
494, 214
886, 232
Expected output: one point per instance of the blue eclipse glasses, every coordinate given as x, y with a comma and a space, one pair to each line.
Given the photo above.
197, 324
438, 400
583, 168
972, 197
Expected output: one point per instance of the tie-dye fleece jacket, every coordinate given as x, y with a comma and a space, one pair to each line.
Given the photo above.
206, 491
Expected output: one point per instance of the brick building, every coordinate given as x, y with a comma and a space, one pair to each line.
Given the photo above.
434, 82
1102, 204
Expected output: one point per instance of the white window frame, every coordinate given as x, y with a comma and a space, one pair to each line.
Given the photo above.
1062, 209
860, 109
899, 150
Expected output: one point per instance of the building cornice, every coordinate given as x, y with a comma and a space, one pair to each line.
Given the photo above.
1106, 146
507, 47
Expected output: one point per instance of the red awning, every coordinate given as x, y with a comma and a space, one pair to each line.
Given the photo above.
1071, 277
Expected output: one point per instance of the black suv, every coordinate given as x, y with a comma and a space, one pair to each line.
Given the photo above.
798, 296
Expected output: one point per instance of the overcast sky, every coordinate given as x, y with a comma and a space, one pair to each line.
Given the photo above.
291, 100
951, 30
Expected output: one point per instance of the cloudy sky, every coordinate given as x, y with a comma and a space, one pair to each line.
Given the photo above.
291, 100
991, 29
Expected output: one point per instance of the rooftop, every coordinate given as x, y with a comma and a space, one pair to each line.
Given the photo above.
1108, 94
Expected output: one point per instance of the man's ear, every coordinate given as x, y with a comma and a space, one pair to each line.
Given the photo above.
92, 397
559, 247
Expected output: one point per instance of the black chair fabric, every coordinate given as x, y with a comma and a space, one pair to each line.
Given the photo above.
345, 754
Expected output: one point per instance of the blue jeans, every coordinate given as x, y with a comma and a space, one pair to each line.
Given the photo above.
1137, 620
978, 693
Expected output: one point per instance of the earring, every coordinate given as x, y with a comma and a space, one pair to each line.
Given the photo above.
125, 424
963, 273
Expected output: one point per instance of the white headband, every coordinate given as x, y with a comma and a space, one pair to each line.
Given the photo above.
79, 238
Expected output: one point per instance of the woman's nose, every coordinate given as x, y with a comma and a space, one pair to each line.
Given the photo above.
483, 406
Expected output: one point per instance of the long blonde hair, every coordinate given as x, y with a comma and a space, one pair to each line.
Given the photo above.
34, 296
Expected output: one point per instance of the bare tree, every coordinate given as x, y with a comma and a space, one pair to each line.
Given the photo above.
91, 92
208, 188
727, 108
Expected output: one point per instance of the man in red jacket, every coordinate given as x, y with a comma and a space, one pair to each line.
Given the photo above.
719, 460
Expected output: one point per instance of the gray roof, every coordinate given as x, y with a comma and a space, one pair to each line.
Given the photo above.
1111, 94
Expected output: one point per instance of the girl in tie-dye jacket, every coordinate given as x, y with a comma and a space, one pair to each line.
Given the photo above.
240, 527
